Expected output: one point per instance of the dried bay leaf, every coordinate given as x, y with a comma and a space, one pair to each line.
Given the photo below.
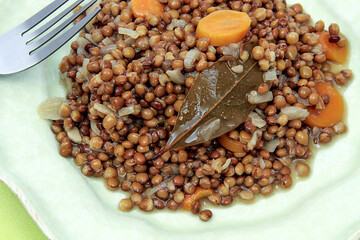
216, 103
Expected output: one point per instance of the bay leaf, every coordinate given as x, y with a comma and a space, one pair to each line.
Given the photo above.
216, 103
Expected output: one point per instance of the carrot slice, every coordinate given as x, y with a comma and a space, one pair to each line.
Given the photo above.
198, 194
333, 111
333, 52
224, 27
142, 8
231, 144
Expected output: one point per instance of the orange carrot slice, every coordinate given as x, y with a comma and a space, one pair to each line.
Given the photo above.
223, 27
333, 52
142, 8
198, 194
333, 111
231, 144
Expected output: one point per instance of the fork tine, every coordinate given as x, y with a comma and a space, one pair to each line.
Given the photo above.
44, 52
40, 16
30, 36
38, 43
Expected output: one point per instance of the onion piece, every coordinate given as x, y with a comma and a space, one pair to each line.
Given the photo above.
82, 43
90, 38
126, 111
94, 128
257, 120
102, 108
216, 165
130, 41
235, 52
176, 23
255, 98
238, 69
272, 145
152, 191
50, 108
302, 100
270, 75
129, 32
226, 164
261, 162
74, 135
176, 76
295, 113
294, 79
191, 57
252, 143
107, 49
66, 82
82, 71
282, 79
107, 41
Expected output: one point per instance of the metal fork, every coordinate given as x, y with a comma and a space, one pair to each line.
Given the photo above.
21, 48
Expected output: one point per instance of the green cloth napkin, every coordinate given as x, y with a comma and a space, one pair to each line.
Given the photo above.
15, 222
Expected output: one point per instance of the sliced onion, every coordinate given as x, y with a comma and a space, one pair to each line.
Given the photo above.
232, 52
90, 38
260, 112
153, 190
107, 41
94, 128
286, 160
176, 23
50, 108
129, 32
176, 76
107, 49
216, 165
317, 49
282, 79
74, 135
82, 43
130, 41
257, 120
102, 108
294, 79
90, 26
164, 79
238, 68
126, 111
272, 145
295, 113
316, 131
261, 162
302, 100
191, 57
252, 143
226, 164
270, 75
83, 71
255, 98
66, 82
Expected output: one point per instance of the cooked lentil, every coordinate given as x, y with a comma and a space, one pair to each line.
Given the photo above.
124, 103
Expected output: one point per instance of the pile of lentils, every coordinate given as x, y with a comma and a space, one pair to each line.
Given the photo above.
126, 73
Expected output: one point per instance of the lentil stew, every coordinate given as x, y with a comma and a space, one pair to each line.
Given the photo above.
127, 80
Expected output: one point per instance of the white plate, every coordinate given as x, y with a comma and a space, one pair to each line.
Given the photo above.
67, 205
